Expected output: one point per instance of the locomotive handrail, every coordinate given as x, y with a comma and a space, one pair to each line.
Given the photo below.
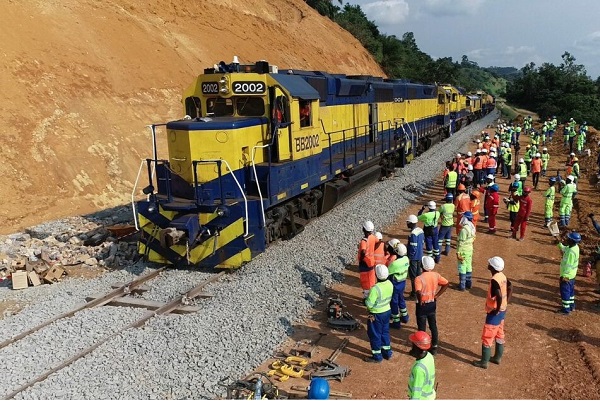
262, 209
137, 178
195, 171
218, 161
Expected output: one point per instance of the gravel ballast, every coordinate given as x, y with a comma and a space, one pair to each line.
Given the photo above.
250, 314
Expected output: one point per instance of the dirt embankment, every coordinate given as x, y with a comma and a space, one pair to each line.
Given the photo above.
81, 79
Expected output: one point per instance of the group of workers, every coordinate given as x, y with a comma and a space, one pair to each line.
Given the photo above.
385, 267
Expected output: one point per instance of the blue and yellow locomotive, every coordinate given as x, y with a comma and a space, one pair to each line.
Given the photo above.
261, 152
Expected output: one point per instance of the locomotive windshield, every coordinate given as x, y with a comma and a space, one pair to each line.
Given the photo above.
247, 106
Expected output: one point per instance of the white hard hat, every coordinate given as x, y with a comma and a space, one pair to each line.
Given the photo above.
545, 149
470, 167
431, 205
521, 160
428, 263
381, 271
493, 154
478, 141
492, 148
517, 177
393, 242
506, 145
369, 226
572, 154
483, 132
469, 154
378, 236
490, 177
458, 155
401, 249
412, 219
537, 155
497, 263
570, 177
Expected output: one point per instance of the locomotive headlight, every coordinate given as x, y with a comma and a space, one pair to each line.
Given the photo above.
224, 85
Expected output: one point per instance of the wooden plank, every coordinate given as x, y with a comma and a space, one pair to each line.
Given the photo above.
144, 303
34, 278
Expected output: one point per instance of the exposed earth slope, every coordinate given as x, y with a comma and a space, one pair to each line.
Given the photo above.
81, 79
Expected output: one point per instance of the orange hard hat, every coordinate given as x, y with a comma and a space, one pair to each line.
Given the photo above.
461, 187
476, 194
421, 339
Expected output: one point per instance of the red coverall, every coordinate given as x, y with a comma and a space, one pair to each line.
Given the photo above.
525, 205
492, 200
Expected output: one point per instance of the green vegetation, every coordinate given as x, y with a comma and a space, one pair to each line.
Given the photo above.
564, 90
508, 113
402, 58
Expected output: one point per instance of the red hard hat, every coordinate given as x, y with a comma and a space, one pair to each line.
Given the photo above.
461, 187
527, 190
421, 339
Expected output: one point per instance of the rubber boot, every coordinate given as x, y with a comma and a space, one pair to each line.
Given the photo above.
468, 280
462, 281
485, 357
562, 221
447, 250
498, 355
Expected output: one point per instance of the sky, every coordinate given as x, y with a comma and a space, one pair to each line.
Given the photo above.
504, 33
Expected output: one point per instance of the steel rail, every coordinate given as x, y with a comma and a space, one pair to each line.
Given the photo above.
122, 290
169, 307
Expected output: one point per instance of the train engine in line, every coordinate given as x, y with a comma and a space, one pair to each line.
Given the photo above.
261, 152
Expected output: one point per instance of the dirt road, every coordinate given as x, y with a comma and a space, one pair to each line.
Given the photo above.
548, 355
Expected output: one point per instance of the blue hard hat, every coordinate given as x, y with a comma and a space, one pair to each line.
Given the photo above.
449, 196
552, 179
318, 389
494, 188
468, 215
574, 236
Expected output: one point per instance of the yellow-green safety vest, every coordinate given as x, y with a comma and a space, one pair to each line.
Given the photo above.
421, 384
380, 297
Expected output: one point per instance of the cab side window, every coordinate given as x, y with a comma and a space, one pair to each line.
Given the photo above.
305, 113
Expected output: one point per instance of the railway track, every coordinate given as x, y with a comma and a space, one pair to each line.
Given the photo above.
181, 300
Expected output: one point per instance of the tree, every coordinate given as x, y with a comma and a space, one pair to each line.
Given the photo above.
325, 7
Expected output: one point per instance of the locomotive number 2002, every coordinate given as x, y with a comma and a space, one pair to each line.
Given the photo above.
307, 142
248, 87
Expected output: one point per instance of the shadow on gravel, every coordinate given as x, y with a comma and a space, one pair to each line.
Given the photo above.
117, 214
311, 280
567, 335
538, 259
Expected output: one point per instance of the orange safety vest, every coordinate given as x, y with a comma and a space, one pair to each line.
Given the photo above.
463, 203
475, 209
490, 302
367, 245
491, 163
379, 253
478, 163
487, 145
536, 165
428, 284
